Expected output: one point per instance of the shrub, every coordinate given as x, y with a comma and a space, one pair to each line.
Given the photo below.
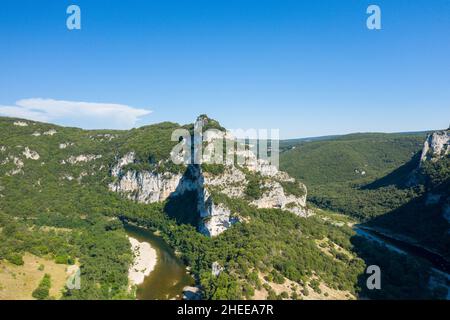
43, 290
15, 258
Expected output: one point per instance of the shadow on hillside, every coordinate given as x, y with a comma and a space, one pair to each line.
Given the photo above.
421, 218
417, 228
182, 203
398, 178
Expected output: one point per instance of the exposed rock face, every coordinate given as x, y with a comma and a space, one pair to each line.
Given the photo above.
149, 187
275, 197
82, 158
126, 159
216, 218
65, 145
142, 186
232, 182
436, 146
30, 154
152, 186
146, 187
103, 137
19, 165
50, 132
216, 269
21, 124
261, 166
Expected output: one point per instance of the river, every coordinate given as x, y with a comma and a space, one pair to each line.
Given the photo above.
437, 261
169, 277
441, 266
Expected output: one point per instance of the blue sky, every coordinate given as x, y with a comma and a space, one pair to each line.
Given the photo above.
308, 68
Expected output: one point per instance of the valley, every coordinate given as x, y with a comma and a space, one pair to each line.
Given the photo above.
251, 231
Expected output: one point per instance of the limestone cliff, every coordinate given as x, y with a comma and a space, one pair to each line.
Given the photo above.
436, 146
148, 186
436, 150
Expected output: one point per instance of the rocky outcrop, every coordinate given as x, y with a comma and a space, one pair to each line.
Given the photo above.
436, 146
50, 132
121, 162
435, 149
216, 218
231, 182
151, 186
148, 186
275, 197
81, 158
21, 124
30, 154
216, 269
19, 166
142, 186
65, 145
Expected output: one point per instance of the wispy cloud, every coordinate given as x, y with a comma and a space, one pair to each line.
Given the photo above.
82, 114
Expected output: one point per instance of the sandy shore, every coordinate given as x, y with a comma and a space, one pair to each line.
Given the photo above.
144, 261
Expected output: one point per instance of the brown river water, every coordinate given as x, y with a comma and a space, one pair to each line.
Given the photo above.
169, 277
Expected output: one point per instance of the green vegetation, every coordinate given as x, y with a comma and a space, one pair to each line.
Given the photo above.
42, 291
331, 161
367, 176
214, 169
150, 143
211, 123
402, 276
422, 219
254, 189
14, 258
80, 220
340, 172
293, 188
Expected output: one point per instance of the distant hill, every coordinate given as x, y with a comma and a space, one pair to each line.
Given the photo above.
340, 171
288, 144
380, 179
356, 157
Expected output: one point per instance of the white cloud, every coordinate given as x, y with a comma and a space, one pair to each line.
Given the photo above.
82, 114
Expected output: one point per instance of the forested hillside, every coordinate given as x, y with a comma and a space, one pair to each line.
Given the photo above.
340, 172
56, 203
378, 179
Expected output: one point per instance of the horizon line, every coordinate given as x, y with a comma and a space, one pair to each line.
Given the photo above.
285, 139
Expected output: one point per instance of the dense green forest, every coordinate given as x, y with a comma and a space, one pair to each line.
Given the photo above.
340, 172
367, 176
61, 209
